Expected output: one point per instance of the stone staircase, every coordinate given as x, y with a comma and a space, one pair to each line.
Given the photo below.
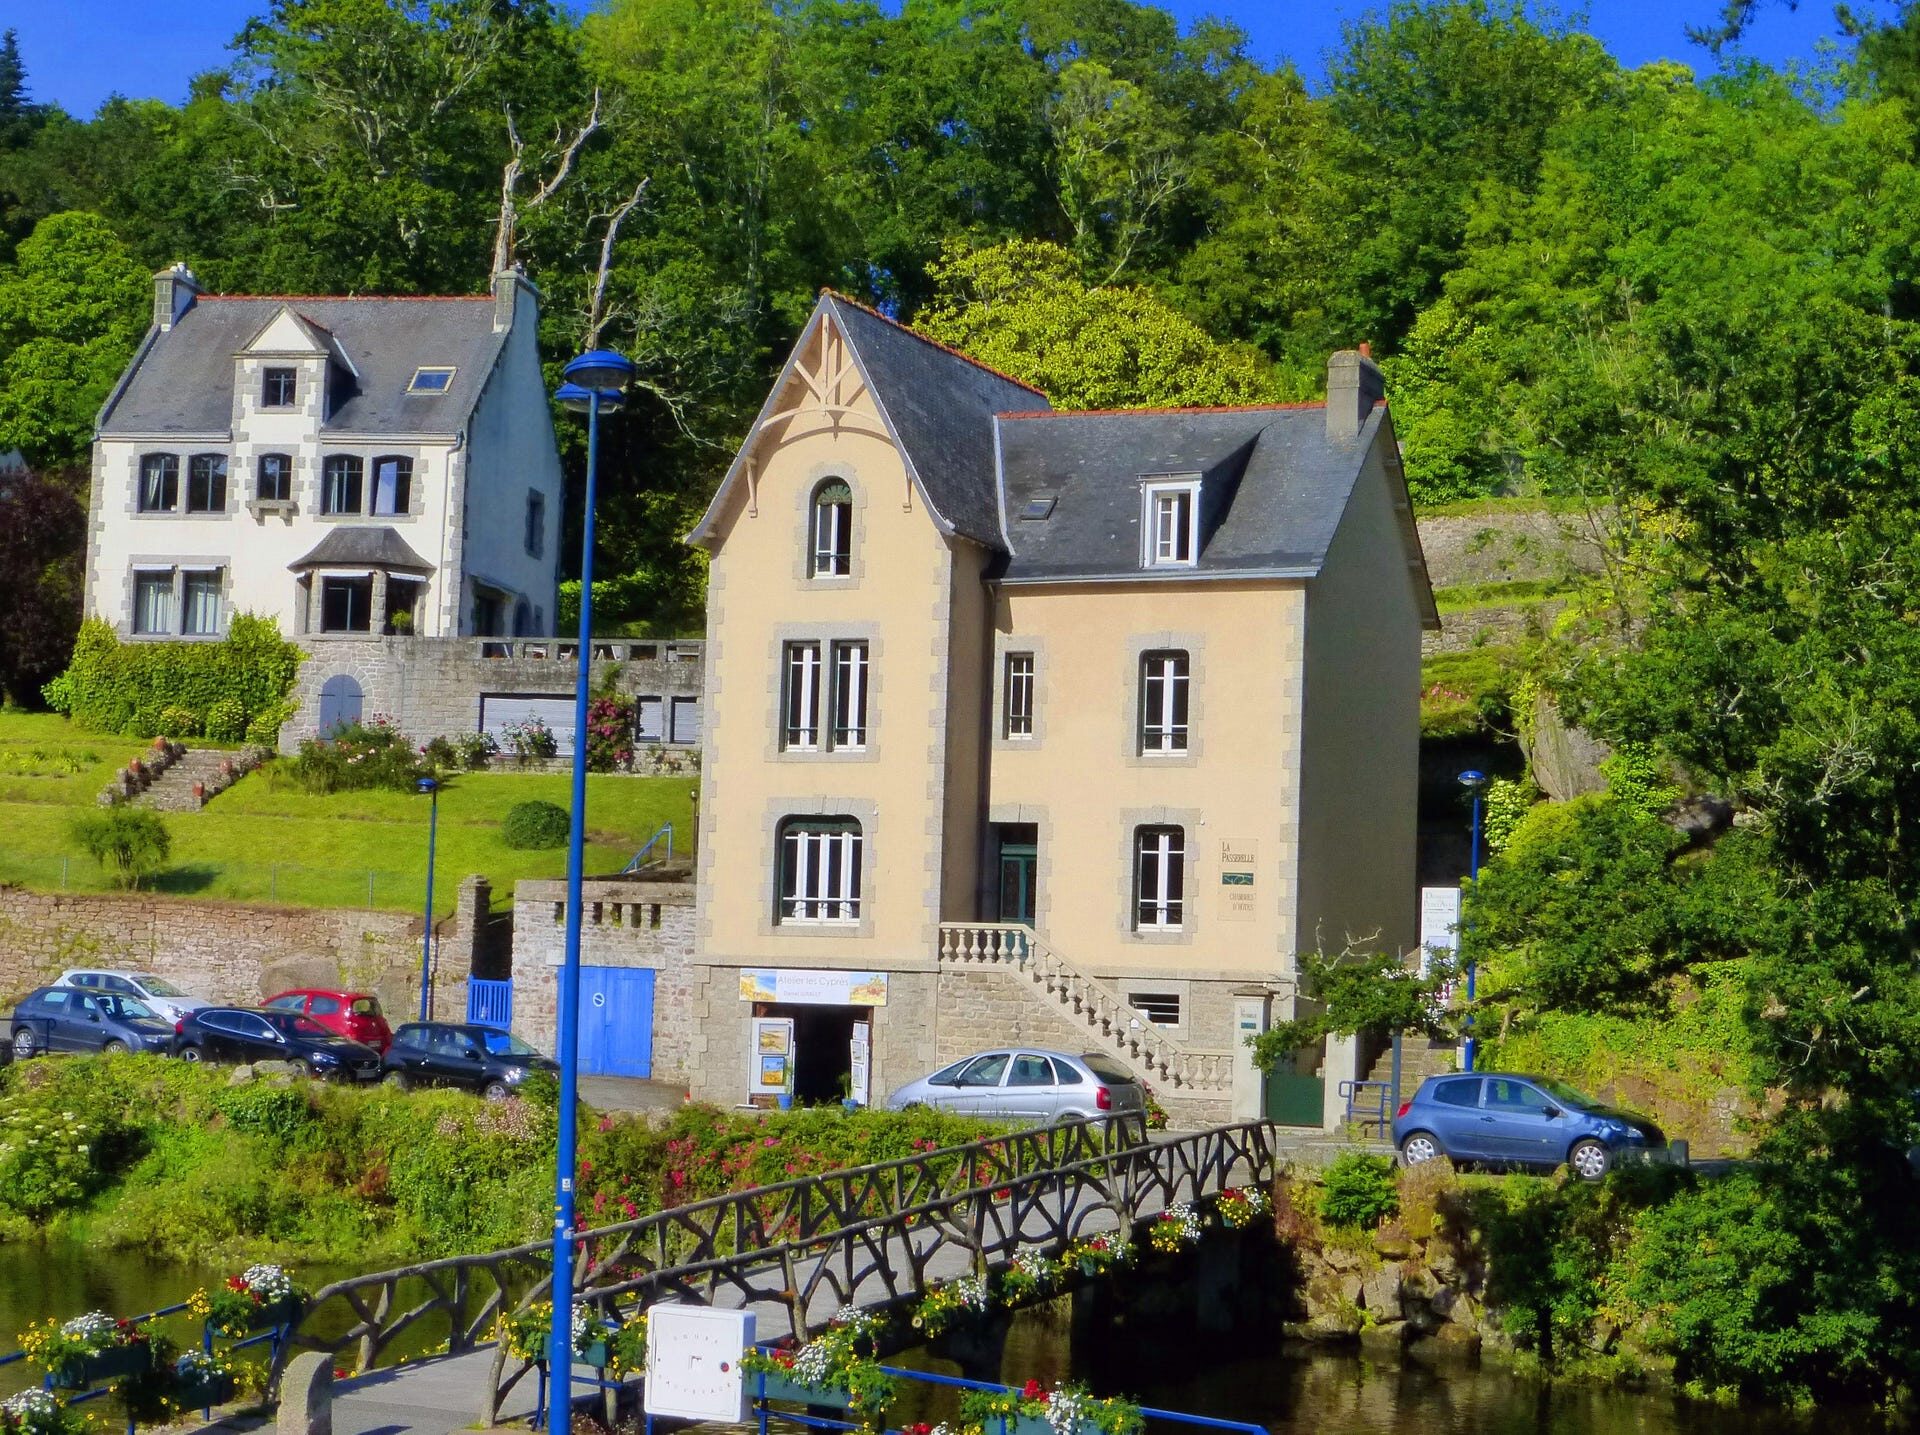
1085, 1002
171, 790
1419, 1059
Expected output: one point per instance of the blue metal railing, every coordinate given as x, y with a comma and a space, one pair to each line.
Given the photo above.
640, 857
1367, 1102
490, 1003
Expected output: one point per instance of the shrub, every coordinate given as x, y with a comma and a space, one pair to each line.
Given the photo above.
357, 758
178, 722
533, 825
609, 733
440, 754
130, 842
50, 1157
111, 686
264, 729
1357, 1191
227, 720
531, 739
477, 751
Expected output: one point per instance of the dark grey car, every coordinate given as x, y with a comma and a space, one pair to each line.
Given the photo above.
1028, 1085
69, 1019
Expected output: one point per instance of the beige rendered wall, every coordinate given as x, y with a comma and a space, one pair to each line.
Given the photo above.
1084, 783
1361, 732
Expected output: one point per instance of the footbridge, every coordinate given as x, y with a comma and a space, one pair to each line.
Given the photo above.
796, 1252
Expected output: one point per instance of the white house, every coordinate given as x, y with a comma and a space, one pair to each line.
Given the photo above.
349, 466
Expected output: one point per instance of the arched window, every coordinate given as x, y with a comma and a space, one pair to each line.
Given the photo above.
833, 529
819, 877
273, 477
159, 482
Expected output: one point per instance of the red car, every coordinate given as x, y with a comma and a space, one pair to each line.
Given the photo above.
354, 1015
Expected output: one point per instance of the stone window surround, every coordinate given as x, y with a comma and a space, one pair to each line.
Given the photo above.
1160, 986
1138, 646
1188, 820
825, 634
803, 574
185, 457
368, 454
778, 810
309, 592
1003, 644
179, 567
1151, 486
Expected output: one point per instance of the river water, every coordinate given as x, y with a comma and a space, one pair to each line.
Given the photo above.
1166, 1365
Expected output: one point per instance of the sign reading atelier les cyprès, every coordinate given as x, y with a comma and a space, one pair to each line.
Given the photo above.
693, 1362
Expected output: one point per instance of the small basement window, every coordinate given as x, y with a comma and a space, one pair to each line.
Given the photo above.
431, 381
1160, 1008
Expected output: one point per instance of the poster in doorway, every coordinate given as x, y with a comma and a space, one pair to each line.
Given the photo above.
770, 1057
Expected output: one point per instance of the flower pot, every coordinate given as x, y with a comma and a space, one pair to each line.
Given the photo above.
200, 792
594, 1355
200, 1391
109, 1364
766, 1386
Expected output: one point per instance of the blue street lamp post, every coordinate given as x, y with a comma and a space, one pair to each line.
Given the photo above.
1475, 783
431, 788
596, 381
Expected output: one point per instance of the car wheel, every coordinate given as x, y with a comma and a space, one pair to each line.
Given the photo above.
114, 1048
1418, 1149
23, 1044
192, 1053
495, 1091
397, 1080
1589, 1160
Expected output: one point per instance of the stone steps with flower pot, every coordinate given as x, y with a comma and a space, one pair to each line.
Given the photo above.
194, 777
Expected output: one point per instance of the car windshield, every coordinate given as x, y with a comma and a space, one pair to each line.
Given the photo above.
125, 1008
1560, 1091
290, 1025
158, 987
501, 1044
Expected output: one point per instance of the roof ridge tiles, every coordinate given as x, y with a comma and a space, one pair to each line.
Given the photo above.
1148, 412
345, 298
829, 292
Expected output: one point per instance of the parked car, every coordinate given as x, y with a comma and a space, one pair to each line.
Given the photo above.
1029, 1085
74, 1019
226, 1033
1504, 1119
354, 1015
479, 1058
161, 996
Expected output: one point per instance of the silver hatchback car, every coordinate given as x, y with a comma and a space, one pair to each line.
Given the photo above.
1029, 1085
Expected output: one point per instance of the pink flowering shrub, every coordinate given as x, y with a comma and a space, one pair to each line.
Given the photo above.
610, 733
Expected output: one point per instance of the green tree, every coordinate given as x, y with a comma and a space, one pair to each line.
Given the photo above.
42, 536
132, 843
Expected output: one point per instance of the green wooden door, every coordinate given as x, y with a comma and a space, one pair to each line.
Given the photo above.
1295, 1100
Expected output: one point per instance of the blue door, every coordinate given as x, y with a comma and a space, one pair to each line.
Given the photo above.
340, 699
1458, 1120
616, 1021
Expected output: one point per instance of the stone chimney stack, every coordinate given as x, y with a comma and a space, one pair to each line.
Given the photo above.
507, 285
1354, 386
174, 291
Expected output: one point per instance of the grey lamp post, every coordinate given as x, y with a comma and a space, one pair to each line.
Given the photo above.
431, 787
596, 382
1475, 783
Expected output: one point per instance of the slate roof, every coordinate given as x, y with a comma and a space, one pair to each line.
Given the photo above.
182, 381
1272, 489
363, 546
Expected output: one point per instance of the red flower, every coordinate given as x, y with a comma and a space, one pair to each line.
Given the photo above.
1032, 1391
234, 1283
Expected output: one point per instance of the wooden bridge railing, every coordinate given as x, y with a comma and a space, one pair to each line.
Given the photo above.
867, 1235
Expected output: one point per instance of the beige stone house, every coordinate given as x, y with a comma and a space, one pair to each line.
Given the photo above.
1062, 729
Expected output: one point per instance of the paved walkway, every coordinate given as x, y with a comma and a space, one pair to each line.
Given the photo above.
627, 1093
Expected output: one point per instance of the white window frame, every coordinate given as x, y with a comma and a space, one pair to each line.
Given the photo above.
1159, 879
1018, 688
1170, 524
1166, 677
848, 732
818, 871
830, 531
415, 387
800, 696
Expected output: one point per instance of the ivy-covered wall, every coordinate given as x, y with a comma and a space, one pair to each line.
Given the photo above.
234, 688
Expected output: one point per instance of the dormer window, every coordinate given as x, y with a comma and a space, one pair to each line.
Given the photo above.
278, 388
833, 529
1170, 523
430, 381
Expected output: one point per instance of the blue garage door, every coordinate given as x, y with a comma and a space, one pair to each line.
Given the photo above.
616, 1021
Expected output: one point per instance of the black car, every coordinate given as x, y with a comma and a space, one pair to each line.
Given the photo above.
479, 1058
68, 1019
227, 1033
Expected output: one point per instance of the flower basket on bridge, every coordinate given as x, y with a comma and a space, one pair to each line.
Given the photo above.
87, 1350
767, 1386
198, 1381
1034, 1410
835, 1369
114, 1363
262, 1297
35, 1412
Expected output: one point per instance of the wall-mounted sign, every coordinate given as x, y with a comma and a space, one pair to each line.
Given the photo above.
1239, 858
693, 1362
807, 986
1439, 923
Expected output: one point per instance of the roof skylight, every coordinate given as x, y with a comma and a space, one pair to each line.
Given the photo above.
431, 381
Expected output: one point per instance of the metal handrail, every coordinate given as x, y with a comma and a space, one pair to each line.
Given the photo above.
1181, 1417
639, 857
1364, 1108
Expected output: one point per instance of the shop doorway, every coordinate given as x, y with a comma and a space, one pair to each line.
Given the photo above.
825, 1047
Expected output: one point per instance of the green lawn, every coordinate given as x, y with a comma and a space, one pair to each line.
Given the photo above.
265, 840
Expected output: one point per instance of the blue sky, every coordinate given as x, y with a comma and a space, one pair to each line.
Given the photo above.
78, 52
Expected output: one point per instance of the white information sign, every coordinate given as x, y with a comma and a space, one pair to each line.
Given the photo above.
858, 1062
1439, 923
804, 986
693, 1362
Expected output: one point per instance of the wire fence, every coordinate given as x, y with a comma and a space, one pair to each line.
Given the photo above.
293, 883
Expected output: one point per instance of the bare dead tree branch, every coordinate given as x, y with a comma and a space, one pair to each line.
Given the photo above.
511, 205
597, 306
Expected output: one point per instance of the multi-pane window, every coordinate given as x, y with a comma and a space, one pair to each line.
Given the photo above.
200, 603
535, 539
159, 482
273, 477
1170, 520
819, 870
342, 482
346, 605
277, 388
1159, 878
800, 725
1163, 702
849, 695
153, 602
684, 727
207, 483
832, 530
1018, 686
392, 485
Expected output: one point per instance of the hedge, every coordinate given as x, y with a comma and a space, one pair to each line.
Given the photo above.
133, 688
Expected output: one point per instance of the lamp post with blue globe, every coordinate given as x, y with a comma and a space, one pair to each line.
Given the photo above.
1475, 784
430, 788
596, 383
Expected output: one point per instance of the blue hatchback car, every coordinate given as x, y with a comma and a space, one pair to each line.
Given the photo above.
1507, 1120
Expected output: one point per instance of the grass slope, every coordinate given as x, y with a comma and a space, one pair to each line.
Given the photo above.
264, 840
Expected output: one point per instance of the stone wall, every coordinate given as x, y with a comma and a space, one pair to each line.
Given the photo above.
1501, 544
240, 954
